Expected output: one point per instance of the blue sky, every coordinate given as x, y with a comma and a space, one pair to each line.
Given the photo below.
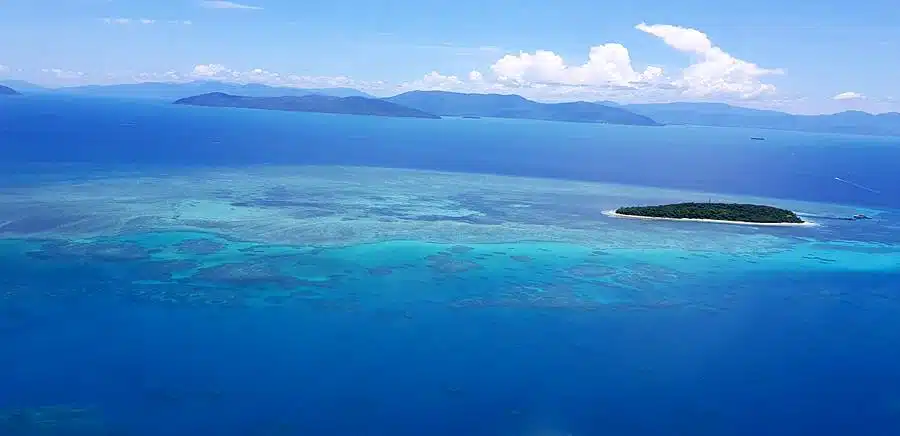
796, 55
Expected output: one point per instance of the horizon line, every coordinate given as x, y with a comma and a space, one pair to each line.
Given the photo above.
598, 102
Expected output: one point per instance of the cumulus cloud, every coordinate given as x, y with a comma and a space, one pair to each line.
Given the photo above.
435, 81
267, 77
849, 95
222, 4
210, 70
63, 74
608, 64
717, 73
609, 71
478, 82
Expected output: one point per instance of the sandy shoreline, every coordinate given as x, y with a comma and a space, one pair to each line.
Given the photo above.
612, 213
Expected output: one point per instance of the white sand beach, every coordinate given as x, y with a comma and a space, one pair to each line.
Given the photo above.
612, 213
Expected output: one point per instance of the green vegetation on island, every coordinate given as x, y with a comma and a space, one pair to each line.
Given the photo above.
308, 103
751, 213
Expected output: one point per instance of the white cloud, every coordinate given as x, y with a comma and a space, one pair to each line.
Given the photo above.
263, 76
3, 68
168, 76
849, 95
717, 73
63, 74
220, 72
209, 70
222, 4
609, 72
473, 82
126, 21
117, 20
608, 64
437, 80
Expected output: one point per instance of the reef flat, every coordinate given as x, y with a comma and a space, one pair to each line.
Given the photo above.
314, 292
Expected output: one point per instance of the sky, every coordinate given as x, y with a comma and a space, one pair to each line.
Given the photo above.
800, 56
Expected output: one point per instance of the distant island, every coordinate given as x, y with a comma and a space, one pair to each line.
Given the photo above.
714, 212
725, 115
441, 103
5, 90
454, 104
308, 103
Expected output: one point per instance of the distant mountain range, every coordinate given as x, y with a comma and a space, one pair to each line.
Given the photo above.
309, 103
4, 90
723, 115
513, 106
431, 104
22, 86
173, 91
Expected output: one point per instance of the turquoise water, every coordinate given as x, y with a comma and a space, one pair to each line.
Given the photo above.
173, 294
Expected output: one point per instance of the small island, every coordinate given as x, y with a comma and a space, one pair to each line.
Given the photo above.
5, 90
308, 103
731, 213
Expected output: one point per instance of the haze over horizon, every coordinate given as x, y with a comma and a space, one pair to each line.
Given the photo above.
767, 55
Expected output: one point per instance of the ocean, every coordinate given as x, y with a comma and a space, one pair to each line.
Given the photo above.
180, 271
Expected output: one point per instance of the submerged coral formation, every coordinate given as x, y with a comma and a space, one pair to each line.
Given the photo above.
318, 236
58, 420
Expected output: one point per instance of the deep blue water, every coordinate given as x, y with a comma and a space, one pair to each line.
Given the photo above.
770, 365
797, 352
786, 165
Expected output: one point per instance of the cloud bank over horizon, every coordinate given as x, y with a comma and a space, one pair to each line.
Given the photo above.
609, 73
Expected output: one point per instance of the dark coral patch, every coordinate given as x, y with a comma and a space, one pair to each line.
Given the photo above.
199, 247
245, 273
448, 265
53, 420
99, 251
460, 249
380, 271
163, 269
591, 270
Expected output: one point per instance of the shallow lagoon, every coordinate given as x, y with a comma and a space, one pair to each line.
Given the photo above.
283, 300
